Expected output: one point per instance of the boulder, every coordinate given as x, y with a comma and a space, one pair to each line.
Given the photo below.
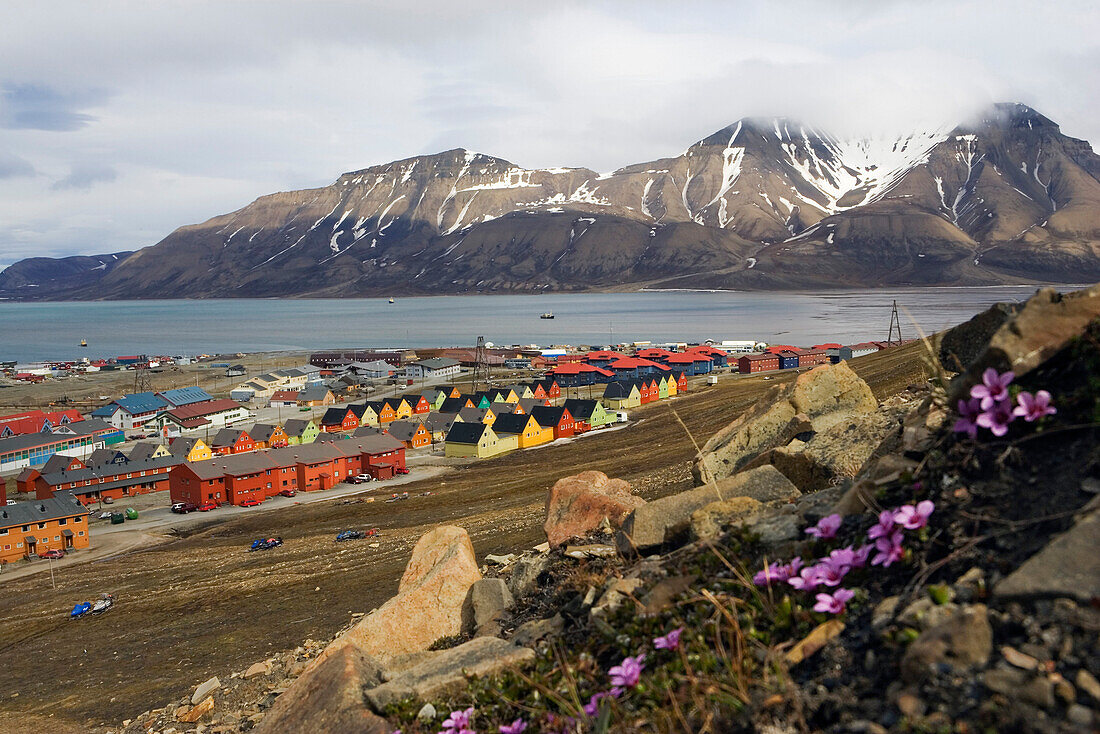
878, 473
205, 689
429, 601
487, 603
195, 713
960, 346
446, 672
527, 573
329, 697
814, 402
530, 633
963, 640
712, 519
257, 669
578, 504
1068, 566
1031, 334
669, 518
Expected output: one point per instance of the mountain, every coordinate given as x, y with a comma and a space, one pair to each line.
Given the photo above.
763, 203
56, 275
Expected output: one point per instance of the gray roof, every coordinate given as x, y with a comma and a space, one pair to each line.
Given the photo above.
235, 465
314, 392
296, 426
403, 430
31, 440
143, 450
262, 431
472, 415
99, 457
134, 467
435, 421
437, 363
182, 446
62, 504
499, 408
227, 436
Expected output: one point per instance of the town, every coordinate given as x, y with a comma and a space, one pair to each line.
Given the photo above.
206, 452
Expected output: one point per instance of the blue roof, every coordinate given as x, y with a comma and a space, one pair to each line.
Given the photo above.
106, 411
142, 402
185, 396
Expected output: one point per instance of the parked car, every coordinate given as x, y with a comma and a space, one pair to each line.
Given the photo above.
117, 518
131, 513
105, 515
11, 502
55, 554
249, 503
401, 470
182, 508
288, 493
107, 501
364, 478
207, 506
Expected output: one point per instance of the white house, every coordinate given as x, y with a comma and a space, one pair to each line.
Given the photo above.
435, 368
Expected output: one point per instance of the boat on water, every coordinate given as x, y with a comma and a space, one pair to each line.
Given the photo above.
83, 343
547, 315
391, 299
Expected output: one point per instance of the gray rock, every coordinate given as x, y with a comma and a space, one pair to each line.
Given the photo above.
1087, 682
427, 712
763, 484
712, 519
775, 528
1069, 567
530, 633
487, 602
446, 673
526, 571
963, 640
1080, 715
205, 689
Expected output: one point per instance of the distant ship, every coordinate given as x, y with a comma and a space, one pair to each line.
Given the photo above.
391, 299
83, 343
547, 315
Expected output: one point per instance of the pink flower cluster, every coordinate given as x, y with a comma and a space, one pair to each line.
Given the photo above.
990, 405
886, 536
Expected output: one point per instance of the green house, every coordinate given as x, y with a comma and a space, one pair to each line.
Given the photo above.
662, 386
300, 431
591, 412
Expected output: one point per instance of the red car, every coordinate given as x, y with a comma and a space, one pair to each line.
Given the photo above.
288, 493
249, 503
402, 470
55, 554
208, 506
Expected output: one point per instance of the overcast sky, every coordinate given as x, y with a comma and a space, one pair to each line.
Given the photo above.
120, 121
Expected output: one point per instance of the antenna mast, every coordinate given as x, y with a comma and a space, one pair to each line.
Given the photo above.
481, 364
141, 378
895, 326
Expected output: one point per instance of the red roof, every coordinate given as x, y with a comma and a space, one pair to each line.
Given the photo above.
285, 395
629, 363
32, 421
575, 368
777, 348
707, 349
653, 353
686, 357
758, 357
198, 410
603, 355
830, 345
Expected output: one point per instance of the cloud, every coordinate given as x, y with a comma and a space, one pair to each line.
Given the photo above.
84, 176
12, 166
36, 107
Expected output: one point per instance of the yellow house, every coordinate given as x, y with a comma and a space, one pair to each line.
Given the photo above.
521, 391
525, 428
621, 395
148, 450
190, 449
477, 440
366, 413
672, 387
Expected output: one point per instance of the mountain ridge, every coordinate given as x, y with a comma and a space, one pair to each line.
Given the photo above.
762, 203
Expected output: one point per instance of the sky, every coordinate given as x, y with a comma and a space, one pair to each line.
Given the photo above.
121, 121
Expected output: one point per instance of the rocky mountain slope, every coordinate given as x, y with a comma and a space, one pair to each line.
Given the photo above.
763, 203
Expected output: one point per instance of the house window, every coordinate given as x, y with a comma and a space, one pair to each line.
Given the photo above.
63, 521
41, 525
18, 545
57, 537
3, 531
269, 485
80, 533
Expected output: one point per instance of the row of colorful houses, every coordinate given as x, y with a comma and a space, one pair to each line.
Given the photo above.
77, 439
517, 430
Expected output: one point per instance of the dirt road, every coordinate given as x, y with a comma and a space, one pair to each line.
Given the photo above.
202, 605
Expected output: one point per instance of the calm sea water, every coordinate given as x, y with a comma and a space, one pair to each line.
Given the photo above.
47, 331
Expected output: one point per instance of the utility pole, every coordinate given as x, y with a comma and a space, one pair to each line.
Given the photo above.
895, 325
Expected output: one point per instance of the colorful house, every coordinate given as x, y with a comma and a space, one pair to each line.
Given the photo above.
528, 431
412, 433
477, 415
385, 412
36, 421
419, 404
681, 382
365, 413
269, 436
662, 386
589, 414
232, 441
690, 363
538, 391
77, 439
201, 416
477, 440
400, 406
190, 449
435, 398
439, 424
300, 431
579, 374
455, 404
147, 450
283, 399
788, 360
751, 363
811, 357
522, 391
314, 395
556, 418
340, 418
621, 395
36, 526
92, 483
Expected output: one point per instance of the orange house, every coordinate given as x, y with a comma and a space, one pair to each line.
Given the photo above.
339, 419
419, 404
412, 433
538, 391
386, 412
232, 441
268, 436
36, 526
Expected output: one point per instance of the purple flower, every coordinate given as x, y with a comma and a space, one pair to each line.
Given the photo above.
833, 603
1033, 407
671, 641
993, 388
889, 549
859, 558
969, 410
807, 580
777, 572
841, 557
884, 527
516, 727
458, 721
627, 673
997, 418
914, 518
830, 575
593, 706
826, 527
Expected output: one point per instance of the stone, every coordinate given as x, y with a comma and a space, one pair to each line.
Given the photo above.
1017, 659
257, 669
711, 520
527, 574
446, 673
909, 705
668, 519
1087, 682
775, 528
530, 633
920, 427
960, 346
1064, 690
500, 560
963, 640
579, 504
427, 712
879, 472
615, 593
592, 550
763, 484
193, 714
1033, 334
430, 598
205, 689
1068, 566
817, 639
487, 602
329, 697
884, 612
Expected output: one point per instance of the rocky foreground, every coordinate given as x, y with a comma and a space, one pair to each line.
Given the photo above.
956, 586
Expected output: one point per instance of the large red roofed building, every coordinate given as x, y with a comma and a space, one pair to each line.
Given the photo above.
36, 421
579, 373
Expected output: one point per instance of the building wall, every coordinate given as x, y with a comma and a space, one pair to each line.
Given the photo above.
49, 537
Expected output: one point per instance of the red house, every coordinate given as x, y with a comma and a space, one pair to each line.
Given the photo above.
418, 403
232, 441
557, 418
551, 388
810, 357
681, 382
337, 419
757, 363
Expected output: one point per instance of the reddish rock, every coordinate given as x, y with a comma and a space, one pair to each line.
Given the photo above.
577, 505
329, 697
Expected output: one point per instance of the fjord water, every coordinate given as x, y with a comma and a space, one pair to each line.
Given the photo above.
52, 331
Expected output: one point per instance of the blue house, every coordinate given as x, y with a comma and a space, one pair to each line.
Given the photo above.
787, 360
